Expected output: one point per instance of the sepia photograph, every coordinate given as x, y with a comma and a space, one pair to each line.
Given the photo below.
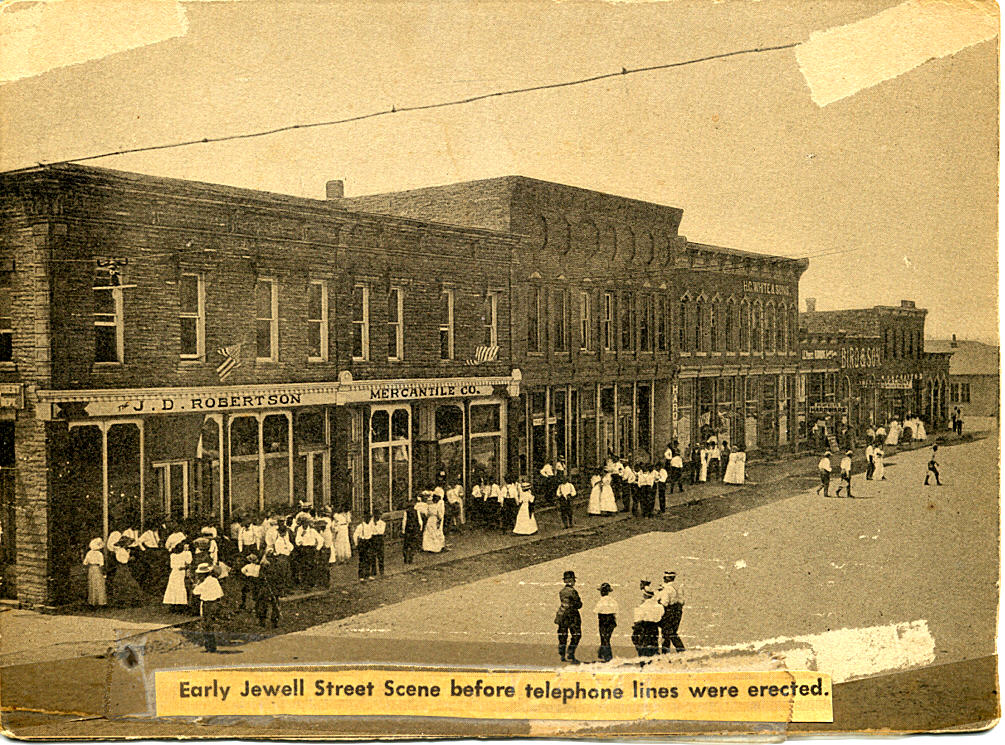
471, 369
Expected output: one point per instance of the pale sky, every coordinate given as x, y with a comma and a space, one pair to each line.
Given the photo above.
900, 178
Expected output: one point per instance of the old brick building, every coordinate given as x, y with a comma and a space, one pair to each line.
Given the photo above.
870, 365
613, 303
178, 350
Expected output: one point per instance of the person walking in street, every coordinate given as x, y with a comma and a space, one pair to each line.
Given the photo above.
933, 467
608, 503
696, 459
677, 472
845, 475
570, 625
94, 560
714, 459
671, 599
880, 473
361, 539
565, 492
377, 530
596, 489
870, 467
411, 531
724, 460
662, 475
824, 467
210, 593
645, 626
607, 620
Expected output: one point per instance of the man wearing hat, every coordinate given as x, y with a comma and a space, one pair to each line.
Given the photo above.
645, 629
671, 599
570, 625
209, 592
845, 475
824, 467
607, 621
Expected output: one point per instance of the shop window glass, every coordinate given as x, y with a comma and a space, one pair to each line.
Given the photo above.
123, 476
205, 499
450, 439
484, 418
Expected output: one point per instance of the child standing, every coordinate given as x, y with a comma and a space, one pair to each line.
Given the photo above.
607, 610
209, 593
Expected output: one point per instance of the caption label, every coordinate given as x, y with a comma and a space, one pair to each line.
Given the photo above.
775, 696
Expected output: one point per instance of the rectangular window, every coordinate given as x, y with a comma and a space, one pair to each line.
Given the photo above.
585, 321
360, 323
534, 330
713, 326
317, 321
447, 325
661, 323
682, 327
192, 316
646, 324
608, 322
6, 326
627, 315
560, 319
965, 393
267, 320
489, 322
395, 325
108, 322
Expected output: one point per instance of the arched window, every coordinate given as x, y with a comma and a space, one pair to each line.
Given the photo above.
713, 326
682, 326
756, 329
729, 326
744, 326
770, 320
699, 326
782, 345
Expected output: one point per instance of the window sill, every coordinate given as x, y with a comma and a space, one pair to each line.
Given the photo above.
361, 360
191, 361
316, 360
106, 366
265, 361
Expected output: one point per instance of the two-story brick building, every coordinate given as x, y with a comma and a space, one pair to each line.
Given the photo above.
613, 303
877, 367
184, 351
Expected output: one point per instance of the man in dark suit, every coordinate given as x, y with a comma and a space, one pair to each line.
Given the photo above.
411, 531
570, 625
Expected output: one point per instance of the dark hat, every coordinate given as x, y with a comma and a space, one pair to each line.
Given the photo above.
647, 593
569, 575
643, 584
670, 574
204, 569
606, 589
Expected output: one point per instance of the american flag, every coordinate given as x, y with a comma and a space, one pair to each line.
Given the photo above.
485, 354
230, 361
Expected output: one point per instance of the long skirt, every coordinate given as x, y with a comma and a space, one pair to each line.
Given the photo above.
125, 589
96, 594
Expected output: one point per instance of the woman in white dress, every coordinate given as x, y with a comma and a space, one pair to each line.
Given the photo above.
341, 547
176, 594
432, 536
705, 453
596, 487
894, 437
877, 459
526, 523
608, 504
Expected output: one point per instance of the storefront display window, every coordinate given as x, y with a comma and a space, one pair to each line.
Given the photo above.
390, 458
486, 442
450, 440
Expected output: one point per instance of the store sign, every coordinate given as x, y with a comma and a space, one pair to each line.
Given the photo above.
766, 288
11, 395
828, 409
410, 391
225, 400
857, 357
820, 354
896, 382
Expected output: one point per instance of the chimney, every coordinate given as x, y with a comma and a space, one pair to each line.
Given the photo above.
953, 343
906, 303
811, 304
335, 189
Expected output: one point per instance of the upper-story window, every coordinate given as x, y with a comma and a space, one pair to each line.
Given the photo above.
317, 321
267, 320
192, 316
756, 329
535, 325
793, 329
490, 326
769, 331
108, 319
395, 325
560, 319
699, 327
661, 323
607, 324
682, 326
729, 326
627, 317
360, 323
6, 326
744, 326
447, 325
585, 321
782, 336
646, 324
714, 327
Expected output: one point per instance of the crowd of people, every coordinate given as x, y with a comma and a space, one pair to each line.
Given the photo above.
655, 621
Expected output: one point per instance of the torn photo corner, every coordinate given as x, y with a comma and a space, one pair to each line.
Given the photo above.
471, 370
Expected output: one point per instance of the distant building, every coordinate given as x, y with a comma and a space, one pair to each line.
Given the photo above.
867, 366
974, 369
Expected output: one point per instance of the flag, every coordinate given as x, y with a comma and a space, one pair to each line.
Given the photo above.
484, 353
230, 360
